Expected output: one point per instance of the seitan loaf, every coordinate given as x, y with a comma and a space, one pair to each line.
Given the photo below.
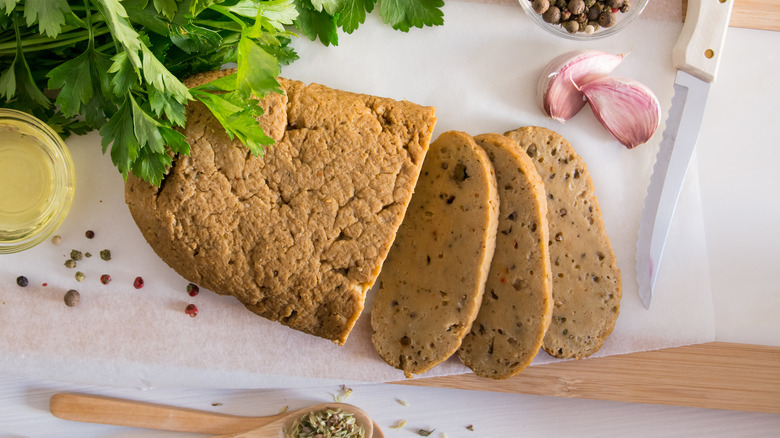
298, 235
432, 282
517, 303
586, 279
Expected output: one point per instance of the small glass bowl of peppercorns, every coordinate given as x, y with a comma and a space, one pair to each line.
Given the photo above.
583, 19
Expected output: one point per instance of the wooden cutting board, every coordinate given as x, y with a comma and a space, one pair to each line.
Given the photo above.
754, 14
714, 375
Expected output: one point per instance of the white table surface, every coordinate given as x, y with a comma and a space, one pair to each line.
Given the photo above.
738, 155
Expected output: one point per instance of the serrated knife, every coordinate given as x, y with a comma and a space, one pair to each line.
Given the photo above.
696, 56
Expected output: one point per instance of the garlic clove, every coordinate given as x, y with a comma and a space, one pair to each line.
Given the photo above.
626, 107
556, 93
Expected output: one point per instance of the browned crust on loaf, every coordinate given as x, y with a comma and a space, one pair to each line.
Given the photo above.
517, 304
432, 282
587, 284
297, 235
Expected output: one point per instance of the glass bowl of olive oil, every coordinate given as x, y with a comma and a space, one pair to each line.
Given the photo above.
37, 181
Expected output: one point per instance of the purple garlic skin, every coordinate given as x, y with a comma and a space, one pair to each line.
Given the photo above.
626, 107
557, 93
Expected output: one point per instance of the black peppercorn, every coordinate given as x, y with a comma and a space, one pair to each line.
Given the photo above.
607, 19
72, 298
576, 7
21, 281
541, 6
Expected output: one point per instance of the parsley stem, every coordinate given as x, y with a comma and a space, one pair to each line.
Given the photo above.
33, 44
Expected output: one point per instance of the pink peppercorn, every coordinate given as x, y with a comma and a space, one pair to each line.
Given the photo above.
138, 282
105, 278
193, 289
191, 310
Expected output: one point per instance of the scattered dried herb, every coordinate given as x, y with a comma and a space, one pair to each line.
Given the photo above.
425, 432
22, 281
343, 394
399, 424
72, 298
105, 255
87, 254
326, 423
403, 402
470, 427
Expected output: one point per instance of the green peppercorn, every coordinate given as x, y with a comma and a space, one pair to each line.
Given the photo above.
105, 255
571, 26
79, 276
76, 255
626, 6
70, 263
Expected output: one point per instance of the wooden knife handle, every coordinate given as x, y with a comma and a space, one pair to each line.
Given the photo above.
698, 49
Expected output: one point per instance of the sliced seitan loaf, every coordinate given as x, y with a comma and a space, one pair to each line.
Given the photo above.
432, 282
517, 303
586, 279
298, 235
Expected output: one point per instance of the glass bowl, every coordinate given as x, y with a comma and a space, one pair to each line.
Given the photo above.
622, 20
37, 181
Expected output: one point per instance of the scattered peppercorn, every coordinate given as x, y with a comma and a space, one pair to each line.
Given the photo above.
70, 264
607, 18
138, 282
44, 284
105, 279
193, 289
79, 276
56, 240
105, 255
90, 234
191, 310
541, 6
21, 281
87, 254
72, 298
76, 255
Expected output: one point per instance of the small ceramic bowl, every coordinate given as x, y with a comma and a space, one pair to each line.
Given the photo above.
622, 20
37, 181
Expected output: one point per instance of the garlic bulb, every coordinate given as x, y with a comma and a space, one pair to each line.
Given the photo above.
626, 107
556, 92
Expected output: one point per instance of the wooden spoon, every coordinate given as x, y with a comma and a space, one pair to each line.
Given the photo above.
120, 412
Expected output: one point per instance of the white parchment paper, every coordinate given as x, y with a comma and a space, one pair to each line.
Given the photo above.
479, 70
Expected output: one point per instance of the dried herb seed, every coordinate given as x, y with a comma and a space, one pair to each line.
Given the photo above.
327, 423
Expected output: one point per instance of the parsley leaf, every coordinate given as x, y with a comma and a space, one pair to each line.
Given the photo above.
405, 14
353, 13
316, 24
50, 15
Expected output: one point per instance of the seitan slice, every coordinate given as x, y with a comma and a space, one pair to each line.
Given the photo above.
432, 282
298, 235
517, 303
586, 279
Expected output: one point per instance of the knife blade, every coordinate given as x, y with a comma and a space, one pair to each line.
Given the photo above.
696, 56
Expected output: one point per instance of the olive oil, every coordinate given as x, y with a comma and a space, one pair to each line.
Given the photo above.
26, 182
37, 181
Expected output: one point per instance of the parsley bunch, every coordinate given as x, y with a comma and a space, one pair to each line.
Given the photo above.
323, 18
115, 66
